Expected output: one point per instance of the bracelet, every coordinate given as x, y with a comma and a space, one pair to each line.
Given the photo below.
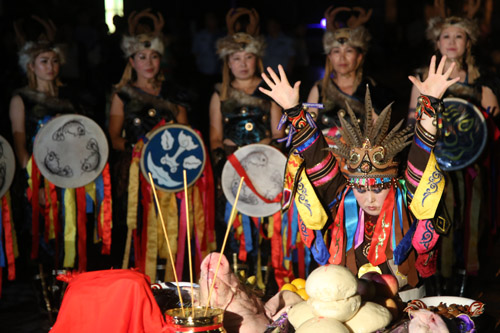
432, 107
294, 111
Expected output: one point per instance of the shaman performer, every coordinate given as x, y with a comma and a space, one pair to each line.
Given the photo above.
345, 48
470, 203
240, 115
376, 217
143, 101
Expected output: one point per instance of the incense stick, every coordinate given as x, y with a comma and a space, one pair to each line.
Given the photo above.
229, 224
168, 242
189, 242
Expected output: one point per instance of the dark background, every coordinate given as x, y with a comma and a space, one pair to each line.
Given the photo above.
397, 48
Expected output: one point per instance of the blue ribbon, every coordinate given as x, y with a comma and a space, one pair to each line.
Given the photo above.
307, 259
351, 217
295, 226
247, 231
404, 247
319, 250
227, 214
2, 254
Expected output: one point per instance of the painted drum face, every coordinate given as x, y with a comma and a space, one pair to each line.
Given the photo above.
264, 167
463, 135
71, 150
7, 166
169, 150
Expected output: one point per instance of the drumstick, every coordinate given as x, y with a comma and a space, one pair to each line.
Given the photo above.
229, 224
168, 243
189, 241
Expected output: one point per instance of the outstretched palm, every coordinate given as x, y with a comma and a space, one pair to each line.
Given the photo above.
280, 89
437, 82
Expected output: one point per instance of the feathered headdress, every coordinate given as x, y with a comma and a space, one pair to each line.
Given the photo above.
352, 33
236, 40
138, 40
370, 154
29, 50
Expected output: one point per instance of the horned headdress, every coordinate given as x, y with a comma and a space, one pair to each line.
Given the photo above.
368, 157
141, 39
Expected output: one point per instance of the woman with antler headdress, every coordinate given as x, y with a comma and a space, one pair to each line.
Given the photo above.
44, 96
373, 221
345, 46
142, 87
471, 184
454, 37
239, 113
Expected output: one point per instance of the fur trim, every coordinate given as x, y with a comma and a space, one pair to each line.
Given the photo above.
336, 99
356, 37
157, 102
240, 42
437, 24
43, 99
242, 98
31, 50
133, 44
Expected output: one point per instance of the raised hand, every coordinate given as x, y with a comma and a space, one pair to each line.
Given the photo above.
437, 82
281, 90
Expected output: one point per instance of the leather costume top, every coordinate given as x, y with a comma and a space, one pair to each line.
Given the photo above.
39, 108
335, 100
143, 111
246, 117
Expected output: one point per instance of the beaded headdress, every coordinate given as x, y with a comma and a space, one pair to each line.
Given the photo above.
29, 50
351, 33
236, 40
141, 39
367, 158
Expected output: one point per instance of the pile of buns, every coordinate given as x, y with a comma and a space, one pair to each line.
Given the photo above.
334, 306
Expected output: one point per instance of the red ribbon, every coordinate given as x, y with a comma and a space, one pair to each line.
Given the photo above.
106, 215
337, 243
143, 239
9, 245
81, 207
35, 206
242, 173
386, 218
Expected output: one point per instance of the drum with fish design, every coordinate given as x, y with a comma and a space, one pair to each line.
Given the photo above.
264, 167
71, 150
7, 166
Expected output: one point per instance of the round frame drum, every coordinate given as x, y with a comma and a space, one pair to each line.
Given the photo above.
71, 150
170, 150
265, 167
7, 166
463, 136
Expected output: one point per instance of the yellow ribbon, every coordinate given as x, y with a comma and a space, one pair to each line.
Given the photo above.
152, 242
69, 227
308, 205
429, 191
171, 217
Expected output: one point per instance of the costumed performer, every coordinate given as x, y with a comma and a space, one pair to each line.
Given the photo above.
470, 203
142, 101
376, 218
240, 115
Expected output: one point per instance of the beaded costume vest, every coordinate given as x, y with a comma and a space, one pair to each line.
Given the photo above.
246, 117
143, 111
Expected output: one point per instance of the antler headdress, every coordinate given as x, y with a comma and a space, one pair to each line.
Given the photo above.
467, 23
29, 50
370, 154
141, 38
352, 32
236, 40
